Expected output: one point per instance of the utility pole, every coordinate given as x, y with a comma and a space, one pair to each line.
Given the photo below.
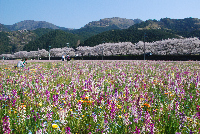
38, 53
49, 52
144, 45
102, 50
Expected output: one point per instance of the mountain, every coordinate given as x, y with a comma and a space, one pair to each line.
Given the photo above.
94, 33
17, 39
4, 43
3, 28
42, 31
96, 27
181, 27
55, 39
155, 30
128, 35
122, 23
87, 32
32, 25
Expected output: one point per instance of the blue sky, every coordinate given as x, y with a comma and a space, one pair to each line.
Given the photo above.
77, 13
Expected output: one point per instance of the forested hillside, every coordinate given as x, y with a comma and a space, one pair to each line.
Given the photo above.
129, 35
155, 30
55, 39
188, 27
87, 32
97, 32
4, 43
42, 31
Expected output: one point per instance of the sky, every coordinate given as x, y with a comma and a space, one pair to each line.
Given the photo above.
78, 13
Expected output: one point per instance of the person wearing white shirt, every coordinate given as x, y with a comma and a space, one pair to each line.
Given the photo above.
63, 57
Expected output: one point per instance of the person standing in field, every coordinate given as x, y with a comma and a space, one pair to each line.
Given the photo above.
68, 58
63, 57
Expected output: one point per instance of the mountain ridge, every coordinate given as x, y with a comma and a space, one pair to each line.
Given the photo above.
122, 23
162, 29
92, 34
32, 25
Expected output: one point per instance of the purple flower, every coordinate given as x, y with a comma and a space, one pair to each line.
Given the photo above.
48, 95
6, 125
198, 108
14, 92
137, 130
68, 129
13, 104
49, 116
152, 128
198, 115
34, 117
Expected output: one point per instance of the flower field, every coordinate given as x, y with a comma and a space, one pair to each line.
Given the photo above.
100, 97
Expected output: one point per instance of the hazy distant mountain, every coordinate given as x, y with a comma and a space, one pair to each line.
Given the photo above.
3, 28
32, 25
122, 23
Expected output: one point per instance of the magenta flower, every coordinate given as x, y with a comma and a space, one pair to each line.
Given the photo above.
137, 130
198, 115
6, 125
48, 95
198, 107
13, 104
68, 129
152, 128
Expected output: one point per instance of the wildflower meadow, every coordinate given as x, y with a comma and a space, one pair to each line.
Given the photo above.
100, 97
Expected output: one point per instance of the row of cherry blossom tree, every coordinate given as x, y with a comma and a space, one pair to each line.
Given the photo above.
164, 47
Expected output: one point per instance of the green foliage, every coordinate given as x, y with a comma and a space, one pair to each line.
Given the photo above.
87, 32
128, 35
94, 33
55, 39
41, 31
180, 25
19, 38
155, 30
4, 43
